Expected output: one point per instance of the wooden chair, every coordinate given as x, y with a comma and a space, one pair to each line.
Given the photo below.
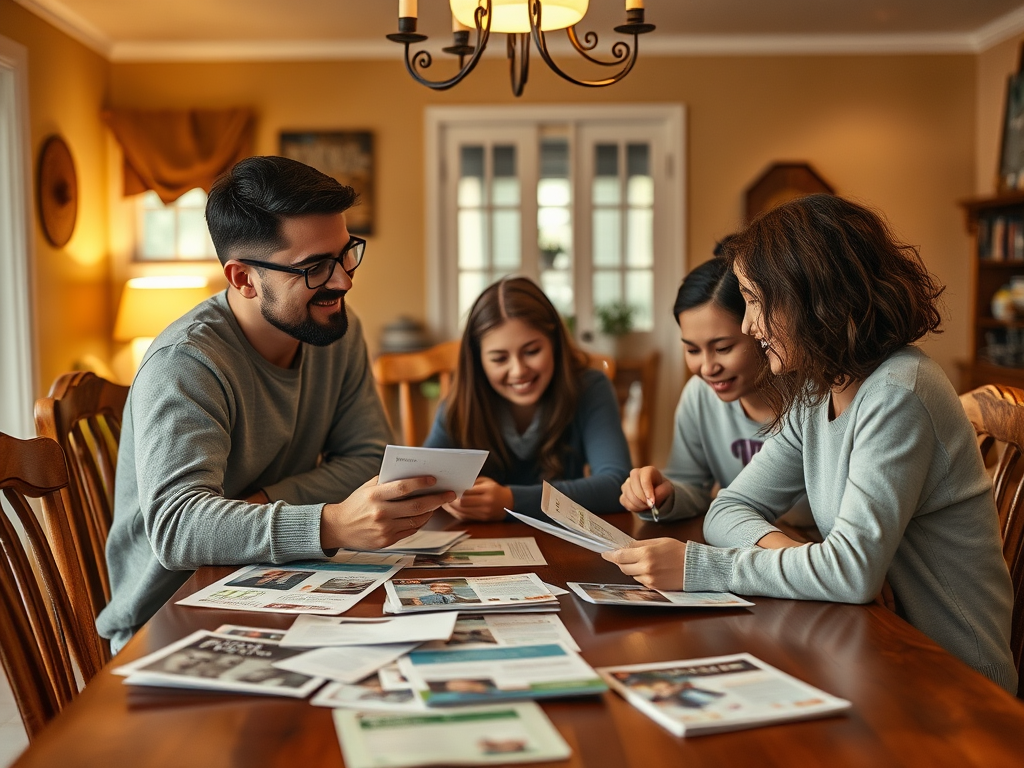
41, 618
83, 414
603, 363
997, 413
407, 368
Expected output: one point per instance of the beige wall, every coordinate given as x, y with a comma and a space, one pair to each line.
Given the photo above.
994, 66
896, 132
67, 87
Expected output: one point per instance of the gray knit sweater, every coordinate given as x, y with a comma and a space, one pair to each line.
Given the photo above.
898, 489
210, 421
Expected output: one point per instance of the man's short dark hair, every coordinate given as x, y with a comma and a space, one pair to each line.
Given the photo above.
246, 205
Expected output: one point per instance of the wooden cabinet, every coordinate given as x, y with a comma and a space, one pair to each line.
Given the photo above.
996, 225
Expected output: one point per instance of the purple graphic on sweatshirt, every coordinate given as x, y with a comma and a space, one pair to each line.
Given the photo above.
745, 449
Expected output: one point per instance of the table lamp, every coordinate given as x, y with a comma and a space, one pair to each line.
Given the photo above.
150, 304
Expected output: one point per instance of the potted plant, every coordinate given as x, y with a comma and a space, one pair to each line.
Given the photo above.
615, 321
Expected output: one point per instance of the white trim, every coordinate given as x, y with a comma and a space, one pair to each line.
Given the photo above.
70, 23
17, 326
257, 50
995, 32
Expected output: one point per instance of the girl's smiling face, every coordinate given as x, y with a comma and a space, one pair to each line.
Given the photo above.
519, 362
717, 350
773, 343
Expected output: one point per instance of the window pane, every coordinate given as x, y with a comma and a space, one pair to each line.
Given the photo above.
158, 234
640, 237
558, 287
606, 175
554, 159
607, 288
553, 192
506, 183
607, 238
471, 177
506, 248
193, 236
639, 295
472, 245
640, 191
471, 285
638, 160
194, 198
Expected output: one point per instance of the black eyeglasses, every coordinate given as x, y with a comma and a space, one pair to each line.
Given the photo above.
320, 272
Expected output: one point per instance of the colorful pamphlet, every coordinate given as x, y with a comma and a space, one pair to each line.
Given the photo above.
637, 594
722, 693
486, 553
454, 676
313, 586
210, 661
496, 735
467, 593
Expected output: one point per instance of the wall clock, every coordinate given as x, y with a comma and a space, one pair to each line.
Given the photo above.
57, 186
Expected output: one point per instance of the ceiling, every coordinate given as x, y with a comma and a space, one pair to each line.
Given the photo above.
127, 30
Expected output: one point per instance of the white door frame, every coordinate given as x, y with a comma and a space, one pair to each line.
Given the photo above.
17, 327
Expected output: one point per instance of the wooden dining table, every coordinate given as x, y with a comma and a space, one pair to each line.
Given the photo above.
913, 703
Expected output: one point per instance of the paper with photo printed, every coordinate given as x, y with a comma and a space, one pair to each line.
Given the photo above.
639, 595
467, 593
517, 551
313, 586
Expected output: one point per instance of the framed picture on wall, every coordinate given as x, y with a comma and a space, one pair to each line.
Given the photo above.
344, 155
1011, 157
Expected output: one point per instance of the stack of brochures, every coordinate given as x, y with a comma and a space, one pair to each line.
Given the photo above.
639, 595
521, 591
722, 693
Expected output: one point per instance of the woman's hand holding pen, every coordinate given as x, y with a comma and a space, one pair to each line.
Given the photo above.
645, 490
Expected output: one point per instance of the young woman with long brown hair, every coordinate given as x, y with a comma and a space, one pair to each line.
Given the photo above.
524, 392
872, 429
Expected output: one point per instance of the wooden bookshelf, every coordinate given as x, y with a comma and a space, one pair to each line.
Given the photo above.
996, 226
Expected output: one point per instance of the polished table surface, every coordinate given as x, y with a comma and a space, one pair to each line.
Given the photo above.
913, 703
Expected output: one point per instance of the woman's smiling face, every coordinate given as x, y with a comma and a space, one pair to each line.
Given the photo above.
717, 350
519, 362
773, 342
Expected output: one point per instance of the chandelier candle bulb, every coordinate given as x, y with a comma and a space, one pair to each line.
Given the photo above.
407, 9
458, 26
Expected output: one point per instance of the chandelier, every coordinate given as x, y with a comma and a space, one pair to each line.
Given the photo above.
520, 20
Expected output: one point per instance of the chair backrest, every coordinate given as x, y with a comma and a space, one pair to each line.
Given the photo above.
997, 413
407, 368
83, 414
41, 617
603, 363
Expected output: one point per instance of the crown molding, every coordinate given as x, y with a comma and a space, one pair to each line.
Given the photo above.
70, 23
57, 13
995, 32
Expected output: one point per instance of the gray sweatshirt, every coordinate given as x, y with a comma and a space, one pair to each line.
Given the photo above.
898, 489
713, 440
209, 421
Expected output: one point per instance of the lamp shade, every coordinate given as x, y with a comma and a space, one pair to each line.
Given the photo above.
150, 304
513, 15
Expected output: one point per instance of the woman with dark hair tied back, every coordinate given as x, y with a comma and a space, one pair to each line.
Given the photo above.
524, 392
870, 427
721, 412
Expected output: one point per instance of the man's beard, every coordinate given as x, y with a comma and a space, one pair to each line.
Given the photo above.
309, 331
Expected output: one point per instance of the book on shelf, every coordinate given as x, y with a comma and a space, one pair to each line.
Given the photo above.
721, 693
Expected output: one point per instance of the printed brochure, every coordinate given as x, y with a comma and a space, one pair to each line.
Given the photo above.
454, 676
496, 735
569, 521
639, 595
505, 629
467, 593
454, 469
313, 586
215, 662
722, 693
486, 553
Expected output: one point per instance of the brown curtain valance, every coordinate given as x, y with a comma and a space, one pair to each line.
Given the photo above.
173, 151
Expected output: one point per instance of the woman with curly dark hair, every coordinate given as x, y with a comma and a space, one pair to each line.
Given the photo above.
869, 426
524, 392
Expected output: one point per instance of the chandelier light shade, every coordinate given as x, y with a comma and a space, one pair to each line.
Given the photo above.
522, 21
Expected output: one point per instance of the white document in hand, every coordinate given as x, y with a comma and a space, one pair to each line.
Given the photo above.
569, 521
454, 469
316, 631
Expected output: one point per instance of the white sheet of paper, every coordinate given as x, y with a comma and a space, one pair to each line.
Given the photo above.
567, 512
322, 631
512, 552
426, 541
368, 696
349, 664
476, 629
587, 542
454, 469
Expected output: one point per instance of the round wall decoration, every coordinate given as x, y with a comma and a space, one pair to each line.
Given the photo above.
58, 191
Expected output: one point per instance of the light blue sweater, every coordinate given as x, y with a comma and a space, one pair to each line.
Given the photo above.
898, 489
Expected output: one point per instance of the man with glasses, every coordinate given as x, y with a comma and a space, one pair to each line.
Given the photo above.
253, 432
